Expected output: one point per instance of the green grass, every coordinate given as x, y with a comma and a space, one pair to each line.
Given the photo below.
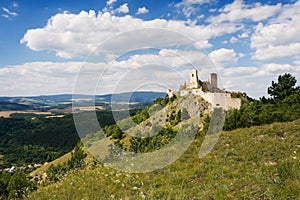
1, 159
44, 168
252, 163
56, 162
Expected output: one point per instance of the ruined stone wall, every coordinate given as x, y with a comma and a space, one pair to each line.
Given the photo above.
194, 80
234, 103
217, 100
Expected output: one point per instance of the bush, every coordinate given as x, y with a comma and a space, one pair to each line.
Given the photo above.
54, 173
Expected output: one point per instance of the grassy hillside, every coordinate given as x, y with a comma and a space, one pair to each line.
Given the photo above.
252, 163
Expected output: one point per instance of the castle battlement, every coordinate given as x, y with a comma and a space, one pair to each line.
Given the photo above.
209, 91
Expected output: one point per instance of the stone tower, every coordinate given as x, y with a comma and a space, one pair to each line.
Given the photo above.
213, 80
194, 80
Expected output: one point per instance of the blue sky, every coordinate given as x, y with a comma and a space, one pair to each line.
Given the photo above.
44, 44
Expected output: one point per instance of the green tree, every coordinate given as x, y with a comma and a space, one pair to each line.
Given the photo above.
4, 181
18, 186
77, 158
283, 88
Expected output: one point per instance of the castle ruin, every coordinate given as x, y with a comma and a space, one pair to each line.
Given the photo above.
209, 91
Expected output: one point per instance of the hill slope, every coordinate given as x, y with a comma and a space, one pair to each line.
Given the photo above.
252, 163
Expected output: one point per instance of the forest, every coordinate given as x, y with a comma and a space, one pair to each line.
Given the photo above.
30, 138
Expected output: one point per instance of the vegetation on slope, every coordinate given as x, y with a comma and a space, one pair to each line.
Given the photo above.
18, 184
252, 163
282, 106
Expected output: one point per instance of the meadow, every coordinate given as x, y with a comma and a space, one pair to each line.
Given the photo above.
260, 162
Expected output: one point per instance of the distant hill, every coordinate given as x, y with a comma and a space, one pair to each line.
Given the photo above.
47, 102
5, 106
139, 96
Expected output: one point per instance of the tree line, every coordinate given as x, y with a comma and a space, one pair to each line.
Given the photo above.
283, 105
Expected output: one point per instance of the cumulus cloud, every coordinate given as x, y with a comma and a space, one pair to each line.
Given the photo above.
255, 80
76, 35
142, 10
273, 33
123, 8
280, 37
224, 56
237, 11
168, 68
38, 78
271, 52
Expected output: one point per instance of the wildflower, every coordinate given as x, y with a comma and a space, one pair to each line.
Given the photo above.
135, 188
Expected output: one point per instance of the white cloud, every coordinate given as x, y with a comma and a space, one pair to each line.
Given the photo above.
233, 39
5, 16
212, 10
192, 2
225, 42
243, 35
15, 5
110, 2
274, 34
297, 62
109, 6
238, 11
241, 55
76, 35
188, 11
271, 52
275, 68
280, 37
142, 10
38, 78
123, 8
188, 8
224, 56
168, 68
238, 71
8, 13
256, 80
